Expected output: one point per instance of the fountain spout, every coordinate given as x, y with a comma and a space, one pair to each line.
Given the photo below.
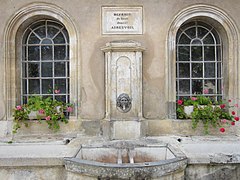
131, 155
119, 158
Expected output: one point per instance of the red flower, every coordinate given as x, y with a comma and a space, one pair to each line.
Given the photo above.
232, 123
19, 107
236, 118
193, 98
233, 113
41, 111
57, 91
205, 91
69, 109
180, 102
224, 121
222, 130
222, 106
229, 100
47, 118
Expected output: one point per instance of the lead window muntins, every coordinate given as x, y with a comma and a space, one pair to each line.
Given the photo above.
199, 61
45, 61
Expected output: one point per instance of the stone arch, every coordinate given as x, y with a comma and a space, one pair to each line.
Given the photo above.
213, 15
27, 14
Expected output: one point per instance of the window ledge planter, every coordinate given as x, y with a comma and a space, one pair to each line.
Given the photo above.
41, 109
202, 109
188, 110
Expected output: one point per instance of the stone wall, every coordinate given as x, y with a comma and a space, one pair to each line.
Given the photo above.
192, 172
212, 171
83, 20
18, 173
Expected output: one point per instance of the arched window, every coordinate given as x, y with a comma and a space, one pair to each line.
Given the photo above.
45, 61
199, 61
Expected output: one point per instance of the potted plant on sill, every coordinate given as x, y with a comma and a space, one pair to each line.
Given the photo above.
210, 113
42, 109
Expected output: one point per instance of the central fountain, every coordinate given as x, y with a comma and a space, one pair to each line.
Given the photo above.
125, 156
123, 90
128, 160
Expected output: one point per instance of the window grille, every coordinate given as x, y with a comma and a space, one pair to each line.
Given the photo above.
199, 61
45, 61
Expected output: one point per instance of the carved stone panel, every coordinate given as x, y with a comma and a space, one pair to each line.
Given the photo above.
122, 20
123, 80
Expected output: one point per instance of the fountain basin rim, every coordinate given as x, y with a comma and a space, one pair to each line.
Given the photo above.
125, 165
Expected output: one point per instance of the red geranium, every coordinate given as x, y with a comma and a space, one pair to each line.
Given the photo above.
180, 102
236, 118
222, 130
48, 118
19, 108
222, 106
193, 98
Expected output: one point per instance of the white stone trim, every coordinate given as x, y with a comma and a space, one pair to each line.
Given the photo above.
27, 12
208, 12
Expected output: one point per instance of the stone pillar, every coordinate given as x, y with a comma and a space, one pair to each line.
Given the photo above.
123, 87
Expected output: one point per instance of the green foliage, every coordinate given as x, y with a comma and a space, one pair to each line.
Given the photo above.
198, 100
210, 116
20, 116
52, 111
206, 111
180, 113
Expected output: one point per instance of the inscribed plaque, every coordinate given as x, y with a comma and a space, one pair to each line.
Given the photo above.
122, 20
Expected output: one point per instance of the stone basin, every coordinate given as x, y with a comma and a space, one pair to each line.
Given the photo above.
128, 162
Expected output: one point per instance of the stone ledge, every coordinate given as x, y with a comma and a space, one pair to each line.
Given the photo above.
105, 170
25, 161
35, 128
164, 127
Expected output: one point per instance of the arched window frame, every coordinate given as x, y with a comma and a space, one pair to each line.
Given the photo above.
230, 51
198, 73
16, 25
45, 61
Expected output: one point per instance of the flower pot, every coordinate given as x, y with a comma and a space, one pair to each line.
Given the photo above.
213, 106
188, 110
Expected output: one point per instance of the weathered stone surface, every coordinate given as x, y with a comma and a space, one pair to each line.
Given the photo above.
127, 160
35, 128
4, 128
32, 159
159, 127
33, 173
134, 171
126, 130
76, 176
212, 172
91, 127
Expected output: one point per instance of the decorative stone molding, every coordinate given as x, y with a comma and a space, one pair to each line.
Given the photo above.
123, 75
209, 13
27, 14
123, 88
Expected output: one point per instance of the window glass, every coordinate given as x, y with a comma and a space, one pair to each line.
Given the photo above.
45, 60
199, 61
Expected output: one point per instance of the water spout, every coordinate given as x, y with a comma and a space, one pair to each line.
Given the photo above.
119, 159
130, 155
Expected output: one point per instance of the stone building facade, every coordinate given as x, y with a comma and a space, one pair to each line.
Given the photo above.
86, 23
